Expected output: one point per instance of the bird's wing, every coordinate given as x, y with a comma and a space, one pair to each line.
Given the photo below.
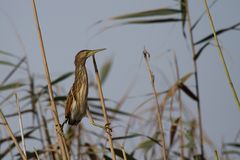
69, 103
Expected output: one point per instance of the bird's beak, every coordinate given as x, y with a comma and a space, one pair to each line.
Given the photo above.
92, 52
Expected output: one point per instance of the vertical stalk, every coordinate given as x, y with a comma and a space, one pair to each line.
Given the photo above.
108, 130
33, 103
59, 133
124, 153
159, 115
21, 125
221, 55
47, 135
196, 79
216, 155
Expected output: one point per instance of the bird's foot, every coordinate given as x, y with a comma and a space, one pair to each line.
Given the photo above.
107, 128
59, 129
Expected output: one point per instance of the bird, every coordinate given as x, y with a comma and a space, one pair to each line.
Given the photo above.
76, 102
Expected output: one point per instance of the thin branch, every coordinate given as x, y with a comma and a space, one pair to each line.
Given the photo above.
159, 115
196, 79
61, 139
21, 125
108, 130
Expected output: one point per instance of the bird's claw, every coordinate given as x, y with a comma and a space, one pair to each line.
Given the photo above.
59, 129
108, 128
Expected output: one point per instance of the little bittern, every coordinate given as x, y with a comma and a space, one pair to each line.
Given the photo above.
76, 105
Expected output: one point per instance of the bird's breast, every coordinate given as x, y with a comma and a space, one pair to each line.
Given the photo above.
77, 101
79, 105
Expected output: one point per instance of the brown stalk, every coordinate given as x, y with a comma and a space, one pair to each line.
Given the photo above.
159, 115
196, 79
61, 139
5, 123
108, 131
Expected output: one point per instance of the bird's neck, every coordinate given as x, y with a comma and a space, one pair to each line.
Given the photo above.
81, 74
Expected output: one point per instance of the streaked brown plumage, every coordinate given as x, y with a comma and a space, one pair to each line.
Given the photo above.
76, 104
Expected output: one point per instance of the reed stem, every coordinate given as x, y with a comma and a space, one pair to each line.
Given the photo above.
222, 56
196, 79
159, 115
61, 139
107, 122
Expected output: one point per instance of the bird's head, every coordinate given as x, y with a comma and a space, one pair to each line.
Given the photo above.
82, 56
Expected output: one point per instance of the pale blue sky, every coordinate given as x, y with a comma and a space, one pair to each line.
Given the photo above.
65, 29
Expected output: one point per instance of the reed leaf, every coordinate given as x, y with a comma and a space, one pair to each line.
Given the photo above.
105, 69
154, 12
219, 32
13, 85
173, 130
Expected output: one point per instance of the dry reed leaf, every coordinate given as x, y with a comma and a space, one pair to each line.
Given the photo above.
173, 130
